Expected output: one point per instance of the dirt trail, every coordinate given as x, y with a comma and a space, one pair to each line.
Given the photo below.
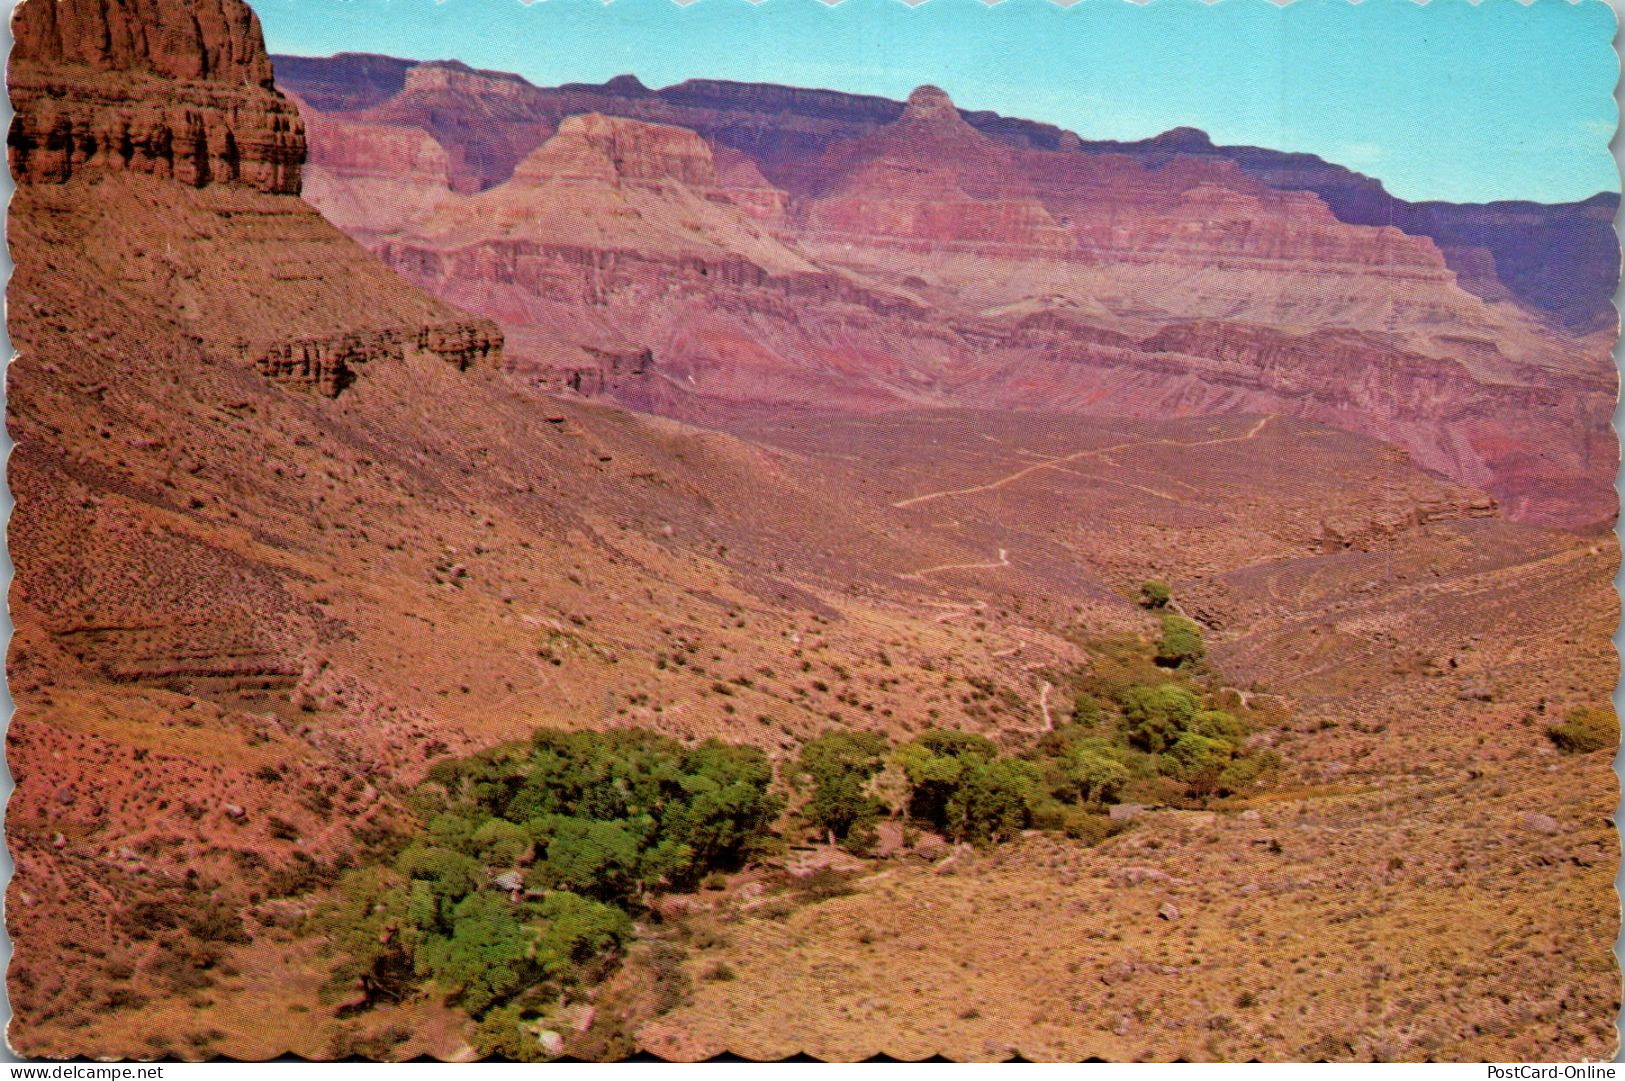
1056, 463
1004, 561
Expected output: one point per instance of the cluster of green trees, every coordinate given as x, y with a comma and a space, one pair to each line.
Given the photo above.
531, 861
535, 856
955, 783
1142, 728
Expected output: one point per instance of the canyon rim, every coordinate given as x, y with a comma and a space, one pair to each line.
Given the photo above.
921, 554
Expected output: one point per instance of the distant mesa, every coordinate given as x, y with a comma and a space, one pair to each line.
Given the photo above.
598, 147
1187, 140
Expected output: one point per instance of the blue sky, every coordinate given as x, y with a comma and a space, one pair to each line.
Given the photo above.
1443, 101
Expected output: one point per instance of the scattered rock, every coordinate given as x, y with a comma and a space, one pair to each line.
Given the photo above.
1169, 911
1133, 876
1540, 823
552, 1043
1117, 972
1125, 812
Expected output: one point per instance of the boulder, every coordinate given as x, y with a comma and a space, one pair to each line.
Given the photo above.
1539, 823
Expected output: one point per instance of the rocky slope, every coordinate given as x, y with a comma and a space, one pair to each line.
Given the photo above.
885, 257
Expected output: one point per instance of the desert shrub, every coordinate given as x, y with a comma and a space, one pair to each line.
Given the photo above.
1181, 642
1086, 711
825, 884
1586, 729
1245, 771
841, 765
1154, 593
1091, 829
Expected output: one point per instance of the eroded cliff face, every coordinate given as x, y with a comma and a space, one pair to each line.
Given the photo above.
906, 256
784, 129
159, 119
174, 89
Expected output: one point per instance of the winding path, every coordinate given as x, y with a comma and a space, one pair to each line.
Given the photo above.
1004, 561
1055, 463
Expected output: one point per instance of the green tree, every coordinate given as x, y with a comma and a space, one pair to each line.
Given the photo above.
1093, 772
371, 926
1154, 593
449, 876
1086, 711
840, 765
1155, 716
961, 785
994, 800
1219, 724
507, 1032
595, 859
1198, 756
727, 808
500, 843
579, 935
450, 831
1181, 642
487, 959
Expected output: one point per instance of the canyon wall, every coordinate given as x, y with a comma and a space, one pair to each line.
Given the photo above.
768, 248
111, 98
